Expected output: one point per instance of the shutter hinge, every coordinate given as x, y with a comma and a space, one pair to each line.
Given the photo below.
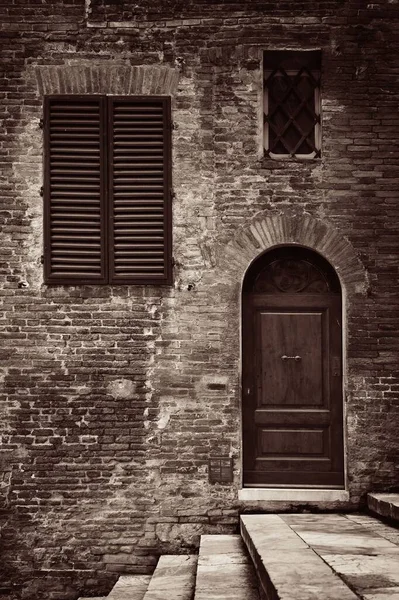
173, 261
173, 126
42, 259
41, 191
41, 123
172, 194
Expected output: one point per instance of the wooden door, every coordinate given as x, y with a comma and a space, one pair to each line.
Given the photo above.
292, 383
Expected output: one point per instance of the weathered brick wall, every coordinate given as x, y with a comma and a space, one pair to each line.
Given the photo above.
115, 397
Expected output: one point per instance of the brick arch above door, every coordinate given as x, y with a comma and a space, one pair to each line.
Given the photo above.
273, 230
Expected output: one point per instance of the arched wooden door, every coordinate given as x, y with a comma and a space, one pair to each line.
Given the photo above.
292, 373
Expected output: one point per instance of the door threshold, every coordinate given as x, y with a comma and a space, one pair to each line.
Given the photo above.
293, 495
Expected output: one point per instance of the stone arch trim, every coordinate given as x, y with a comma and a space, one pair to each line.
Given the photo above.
273, 230
107, 78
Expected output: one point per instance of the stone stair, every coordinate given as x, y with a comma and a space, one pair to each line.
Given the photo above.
279, 557
225, 571
323, 556
130, 587
384, 505
173, 579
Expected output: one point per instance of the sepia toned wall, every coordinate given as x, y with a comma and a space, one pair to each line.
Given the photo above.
115, 397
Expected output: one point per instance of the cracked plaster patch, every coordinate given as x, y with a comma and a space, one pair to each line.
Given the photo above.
121, 389
164, 417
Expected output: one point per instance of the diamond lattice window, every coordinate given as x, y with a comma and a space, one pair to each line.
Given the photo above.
292, 103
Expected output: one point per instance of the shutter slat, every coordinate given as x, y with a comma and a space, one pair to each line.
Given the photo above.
133, 155
134, 165
139, 195
76, 252
69, 184
74, 128
75, 217
148, 143
140, 187
60, 145
82, 245
75, 195
69, 260
61, 240
125, 213
74, 189
60, 164
144, 237
64, 151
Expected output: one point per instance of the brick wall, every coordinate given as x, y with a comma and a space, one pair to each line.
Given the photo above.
115, 397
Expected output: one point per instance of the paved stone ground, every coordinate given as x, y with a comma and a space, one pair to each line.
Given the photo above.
293, 553
389, 532
357, 548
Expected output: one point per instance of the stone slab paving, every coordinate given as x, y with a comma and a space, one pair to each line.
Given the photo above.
366, 561
288, 568
173, 578
387, 531
384, 505
224, 570
130, 587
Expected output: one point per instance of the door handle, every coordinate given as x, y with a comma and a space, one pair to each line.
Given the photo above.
296, 358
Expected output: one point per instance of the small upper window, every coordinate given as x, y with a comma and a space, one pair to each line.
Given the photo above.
292, 103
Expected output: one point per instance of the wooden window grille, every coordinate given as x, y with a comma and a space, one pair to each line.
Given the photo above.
107, 190
292, 124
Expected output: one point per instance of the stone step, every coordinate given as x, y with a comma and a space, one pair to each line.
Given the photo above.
384, 505
130, 587
173, 578
309, 556
224, 570
93, 598
287, 567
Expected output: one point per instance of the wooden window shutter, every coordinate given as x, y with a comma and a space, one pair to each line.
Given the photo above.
107, 190
75, 227
139, 188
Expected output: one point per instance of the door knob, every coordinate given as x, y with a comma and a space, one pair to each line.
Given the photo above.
285, 357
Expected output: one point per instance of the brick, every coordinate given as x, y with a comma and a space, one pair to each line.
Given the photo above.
91, 474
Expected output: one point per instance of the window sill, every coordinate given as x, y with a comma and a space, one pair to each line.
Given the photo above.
292, 495
287, 158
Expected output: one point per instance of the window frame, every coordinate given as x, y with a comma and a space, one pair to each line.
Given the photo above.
108, 276
266, 73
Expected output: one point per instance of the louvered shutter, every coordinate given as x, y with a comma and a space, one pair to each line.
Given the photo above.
74, 190
139, 188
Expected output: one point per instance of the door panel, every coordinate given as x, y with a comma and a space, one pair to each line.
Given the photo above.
292, 404
286, 442
290, 356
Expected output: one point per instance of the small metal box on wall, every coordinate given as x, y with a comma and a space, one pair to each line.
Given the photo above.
220, 469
